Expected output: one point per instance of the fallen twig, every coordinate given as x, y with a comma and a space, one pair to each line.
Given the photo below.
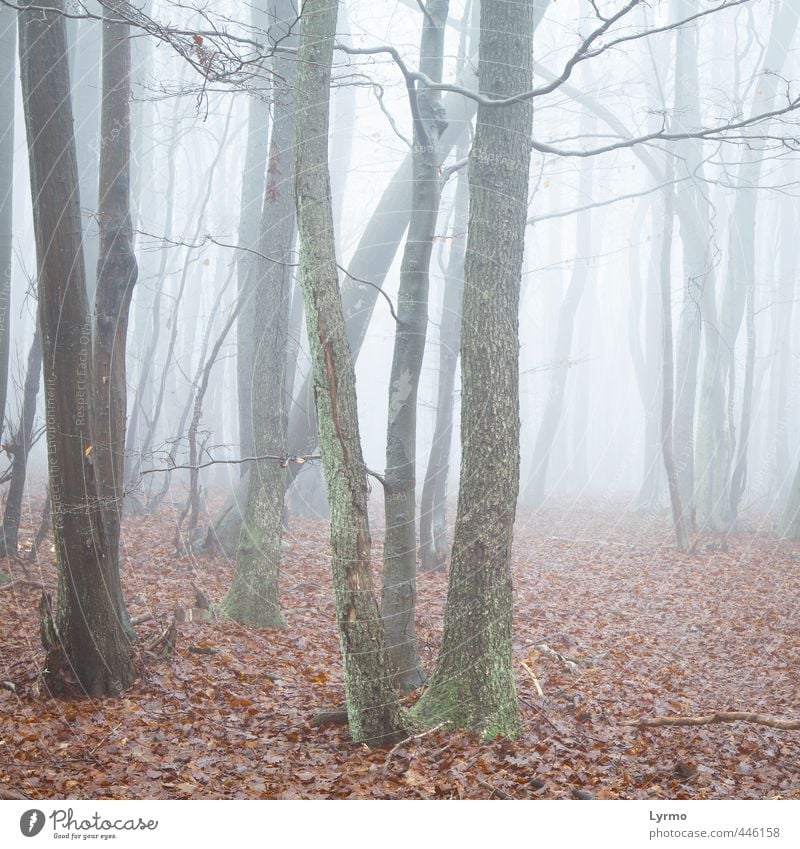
725, 716
408, 740
167, 637
536, 684
8, 793
499, 793
24, 582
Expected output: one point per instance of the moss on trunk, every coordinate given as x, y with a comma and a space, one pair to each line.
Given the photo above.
473, 684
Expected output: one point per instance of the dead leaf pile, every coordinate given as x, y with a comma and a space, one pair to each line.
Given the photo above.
611, 623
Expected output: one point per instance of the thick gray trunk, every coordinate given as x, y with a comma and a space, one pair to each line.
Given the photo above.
473, 684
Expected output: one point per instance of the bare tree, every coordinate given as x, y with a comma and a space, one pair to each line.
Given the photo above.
373, 712
473, 684
86, 642
8, 42
116, 277
399, 483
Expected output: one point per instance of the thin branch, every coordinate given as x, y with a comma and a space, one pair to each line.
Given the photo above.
564, 213
663, 135
427, 14
581, 54
727, 716
283, 460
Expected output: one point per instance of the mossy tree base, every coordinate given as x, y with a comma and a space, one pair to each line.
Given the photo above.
473, 685
252, 598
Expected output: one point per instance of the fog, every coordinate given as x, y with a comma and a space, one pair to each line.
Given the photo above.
590, 317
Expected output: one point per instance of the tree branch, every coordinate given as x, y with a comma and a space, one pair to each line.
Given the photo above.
728, 716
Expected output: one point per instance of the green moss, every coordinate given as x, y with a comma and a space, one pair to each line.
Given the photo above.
253, 595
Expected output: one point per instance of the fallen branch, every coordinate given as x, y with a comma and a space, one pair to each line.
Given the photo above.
408, 740
141, 619
167, 637
499, 793
9, 794
727, 716
568, 663
24, 582
536, 684
330, 716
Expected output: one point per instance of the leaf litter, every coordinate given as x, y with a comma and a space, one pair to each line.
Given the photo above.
611, 624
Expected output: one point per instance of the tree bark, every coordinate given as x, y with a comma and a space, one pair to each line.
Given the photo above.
8, 34
252, 195
378, 246
433, 540
398, 598
87, 648
473, 684
20, 444
373, 712
116, 276
253, 595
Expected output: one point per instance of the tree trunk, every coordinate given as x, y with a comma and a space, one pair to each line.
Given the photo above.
87, 647
398, 598
7, 89
253, 595
373, 712
253, 180
116, 277
21, 444
581, 270
379, 243
433, 540
679, 518
473, 684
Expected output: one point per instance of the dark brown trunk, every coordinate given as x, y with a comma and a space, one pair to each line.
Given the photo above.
87, 649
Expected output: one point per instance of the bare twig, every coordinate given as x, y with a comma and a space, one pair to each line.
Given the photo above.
24, 582
419, 736
499, 793
536, 684
725, 716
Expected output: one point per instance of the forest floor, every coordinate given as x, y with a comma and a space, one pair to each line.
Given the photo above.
228, 713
